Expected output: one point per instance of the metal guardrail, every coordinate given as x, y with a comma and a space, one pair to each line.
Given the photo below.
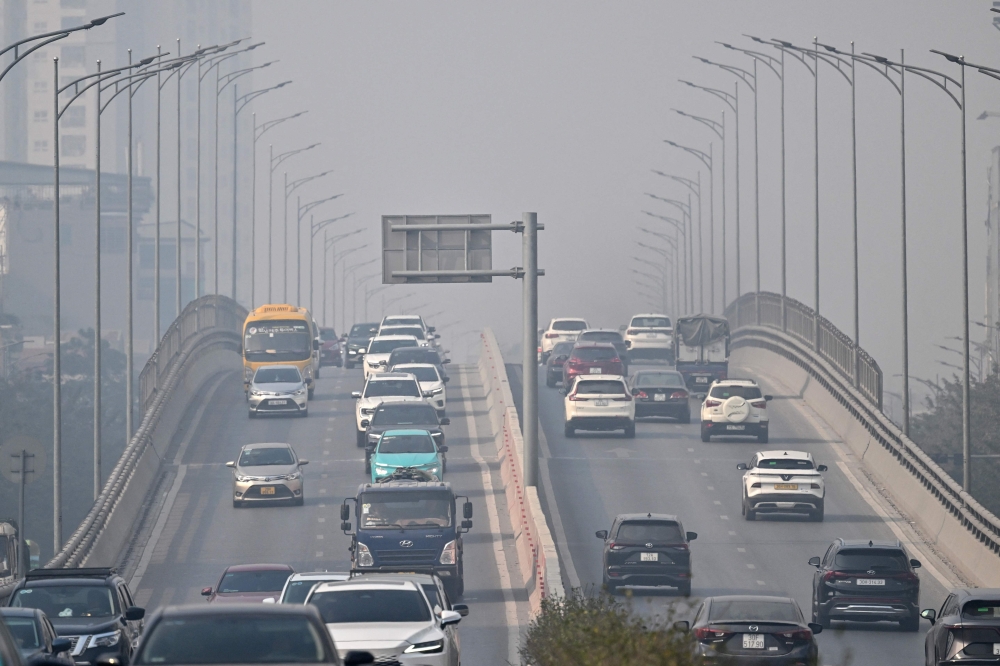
801, 322
856, 391
203, 321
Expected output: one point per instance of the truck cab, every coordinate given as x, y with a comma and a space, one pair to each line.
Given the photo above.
701, 350
408, 526
13, 562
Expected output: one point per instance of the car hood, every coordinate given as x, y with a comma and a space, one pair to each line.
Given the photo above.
277, 387
427, 387
75, 626
382, 635
359, 341
378, 430
405, 459
243, 597
371, 358
266, 470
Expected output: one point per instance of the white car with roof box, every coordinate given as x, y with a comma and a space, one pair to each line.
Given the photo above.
735, 407
783, 482
378, 388
390, 618
650, 336
377, 355
560, 330
599, 402
430, 380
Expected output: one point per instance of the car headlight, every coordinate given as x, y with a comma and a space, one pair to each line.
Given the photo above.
380, 467
430, 647
437, 391
256, 393
448, 553
294, 476
242, 479
105, 640
364, 556
299, 392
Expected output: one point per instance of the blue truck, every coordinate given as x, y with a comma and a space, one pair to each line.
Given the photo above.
408, 526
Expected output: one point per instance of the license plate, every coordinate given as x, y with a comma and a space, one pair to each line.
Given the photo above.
753, 641
996, 649
701, 380
594, 371
786, 486
736, 427
871, 581
651, 335
267, 490
649, 557
601, 402
279, 402
659, 397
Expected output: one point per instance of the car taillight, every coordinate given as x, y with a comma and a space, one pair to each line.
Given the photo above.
759, 405
907, 577
709, 634
814, 486
835, 575
712, 403
616, 546
678, 546
551, 335
631, 331
572, 361
801, 635
625, 398
574, 398
678, 395
755, 484
641, 394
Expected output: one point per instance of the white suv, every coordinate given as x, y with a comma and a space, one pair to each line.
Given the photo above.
560, 330
650, 336
734, 407
377, 389
599, 402
783, 482
380, 348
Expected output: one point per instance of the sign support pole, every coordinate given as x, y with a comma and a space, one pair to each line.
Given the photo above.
529, 363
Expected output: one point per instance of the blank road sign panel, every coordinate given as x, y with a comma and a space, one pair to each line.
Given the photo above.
432, 250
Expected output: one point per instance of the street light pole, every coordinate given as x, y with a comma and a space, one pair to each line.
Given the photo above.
315, 228
678, 226
275, 161
301, 212
694, 186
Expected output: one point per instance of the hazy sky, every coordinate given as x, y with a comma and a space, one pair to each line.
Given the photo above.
561, 108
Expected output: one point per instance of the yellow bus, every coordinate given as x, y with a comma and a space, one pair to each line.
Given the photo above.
280, 334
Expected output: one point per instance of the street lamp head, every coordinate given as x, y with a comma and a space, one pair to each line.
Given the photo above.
253, 46
704, 60
282, 85
756, 39
877, 58
728, 46
668, 141
145, 61
782, 42
831, 49
949, 57
983, 116
104, 19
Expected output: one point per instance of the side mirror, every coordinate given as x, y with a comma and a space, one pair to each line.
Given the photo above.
358, 658
450, 617
303, 462
814, 562
60, 644
269, 600
345, 512
601, 534
821, 468
206, 591
445, 379
443, 449
445, 421
769, 398
742, 467
816, 628
682, 625
930, 615
635, 391
691, 536
466, 525
315, 345
431, 329
365, 423
461, 609
345, 526
231, 463
562, 391
467, 510
355, 394
134, 613
446, 361
915, 564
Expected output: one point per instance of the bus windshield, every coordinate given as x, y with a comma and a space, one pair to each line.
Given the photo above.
277, 340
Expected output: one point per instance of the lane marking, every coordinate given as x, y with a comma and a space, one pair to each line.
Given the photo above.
741, 550
724, 517
750, 566
510, 606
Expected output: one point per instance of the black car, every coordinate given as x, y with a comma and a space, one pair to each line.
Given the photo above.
866, 581
614, 337
411, 413
357, 343
240, 634
660, 393
965, 630
554, 363
650, 549
752, 629
404, 355
35, 636
93, 608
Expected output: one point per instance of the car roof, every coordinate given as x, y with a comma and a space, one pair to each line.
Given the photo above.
394, 337
749, 597
258, 567
277, 366
984, 593
390, 375
734, 382
422, 577
315, 575
369, 584
650, 314
407, 431
569, 319
12, 611
396, 399
592, 345
584, 378
647, 516
237, 609
600, 330
870, 543
265, 445
415, 365
779, 453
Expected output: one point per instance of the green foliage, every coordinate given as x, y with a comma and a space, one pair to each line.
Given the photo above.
597, 630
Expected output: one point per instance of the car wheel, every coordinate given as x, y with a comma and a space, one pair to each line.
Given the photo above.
705, 437
368, 463
312, 392
685, 589
237, 504
299, 501
748, 513
630, 431
360, 438
251, 414
762, 438
545, 357
822, 619
817, 515
549, 381
317, 371
610, 588
569, 431
304, 412
910, 624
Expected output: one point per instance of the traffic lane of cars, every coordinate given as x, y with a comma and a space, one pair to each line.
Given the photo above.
595, 477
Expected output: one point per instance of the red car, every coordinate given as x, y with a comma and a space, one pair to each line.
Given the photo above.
249, 583
329, 350
592, 358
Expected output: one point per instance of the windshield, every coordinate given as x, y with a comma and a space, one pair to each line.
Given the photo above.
362, 606
753, 610
363, 330
296, 591
601, 336
271, 456
414, 355
419, 508
666, 379
277, 340
597, 387
267, 375
402, 321
981, 610
253, 581
25, 632
405, 415
415, 331
563, 348
235, 639
422, 374
784, 463
385, 346
745, 392
68, 600
397, 387
871, 558
569, 325
655, 531
650, 322
406, 444
595, 353
327, 334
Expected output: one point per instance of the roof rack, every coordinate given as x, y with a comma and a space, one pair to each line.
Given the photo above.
85, 572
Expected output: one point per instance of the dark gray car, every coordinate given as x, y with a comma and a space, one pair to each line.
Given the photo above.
965, 630
35, 636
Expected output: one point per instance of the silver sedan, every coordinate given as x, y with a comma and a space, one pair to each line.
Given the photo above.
267, 473
278, 389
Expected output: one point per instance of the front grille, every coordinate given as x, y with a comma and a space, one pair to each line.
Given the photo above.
406, 557
387, 660
281, 491
77, 642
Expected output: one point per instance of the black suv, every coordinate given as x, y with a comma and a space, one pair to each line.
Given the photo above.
394, 414
866, 581
91, 607
649, 549
357, 343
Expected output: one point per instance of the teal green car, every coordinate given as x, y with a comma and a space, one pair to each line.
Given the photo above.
408, 449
